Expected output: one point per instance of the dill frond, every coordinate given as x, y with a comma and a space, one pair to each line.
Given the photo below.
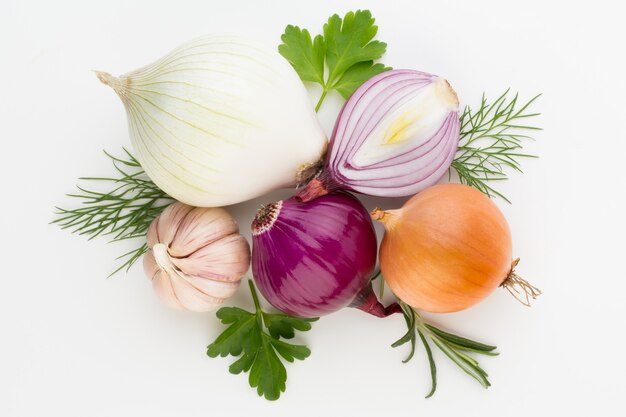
491, 141
124, 212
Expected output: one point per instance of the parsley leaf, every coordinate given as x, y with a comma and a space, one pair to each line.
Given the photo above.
347, 48
260, 352
231, 341
308, 54
282, 325
350, 42
357, 75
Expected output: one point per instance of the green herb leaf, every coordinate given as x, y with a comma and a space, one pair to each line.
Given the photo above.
460, 341
347, 47
471, 369
410, 333
268, 375
357, 75
450, 344
409, 336
123, 212
231, 341
305, 55
491, 140
260, 351
243, 364
282, 325
431, 363
349, 42
289, 351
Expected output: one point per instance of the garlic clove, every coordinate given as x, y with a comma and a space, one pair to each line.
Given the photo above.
163, 287
224, 260
169, 221
152, 237
217, 289
189, 296
183, 291
150, 266
201, 228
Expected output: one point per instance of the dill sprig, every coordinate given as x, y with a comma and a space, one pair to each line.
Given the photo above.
125, 212
490, 142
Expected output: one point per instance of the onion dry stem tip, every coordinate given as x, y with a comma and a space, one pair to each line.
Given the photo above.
389, 218
309, 171
378, 214
119, 86
518, 287
315, 188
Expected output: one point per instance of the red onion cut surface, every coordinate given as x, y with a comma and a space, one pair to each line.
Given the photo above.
395, 136
313, 258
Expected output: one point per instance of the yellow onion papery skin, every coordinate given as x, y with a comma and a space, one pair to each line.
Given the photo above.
445, 249
196, 258
220, 120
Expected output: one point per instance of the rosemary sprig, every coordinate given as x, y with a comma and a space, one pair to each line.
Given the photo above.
491, 139
453, 346
124, 212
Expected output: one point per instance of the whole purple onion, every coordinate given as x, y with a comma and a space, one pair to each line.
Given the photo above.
313, 258
396, 135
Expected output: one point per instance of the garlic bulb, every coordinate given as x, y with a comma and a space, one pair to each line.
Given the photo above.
220, 120
196, 257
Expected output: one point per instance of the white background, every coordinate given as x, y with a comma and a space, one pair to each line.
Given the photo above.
76, 344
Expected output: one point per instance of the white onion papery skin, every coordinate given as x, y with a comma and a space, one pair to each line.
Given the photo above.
395, 136
220, 120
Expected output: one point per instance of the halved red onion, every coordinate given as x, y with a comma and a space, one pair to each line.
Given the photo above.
313, 258
395, 136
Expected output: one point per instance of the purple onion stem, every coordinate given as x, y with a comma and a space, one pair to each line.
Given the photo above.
366, 301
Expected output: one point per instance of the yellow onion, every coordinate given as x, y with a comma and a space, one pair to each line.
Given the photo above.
196, 258
448, 248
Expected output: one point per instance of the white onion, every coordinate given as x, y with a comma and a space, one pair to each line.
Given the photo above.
220, 120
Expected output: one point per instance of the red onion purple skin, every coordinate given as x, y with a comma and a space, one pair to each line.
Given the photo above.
444, 143
316, 256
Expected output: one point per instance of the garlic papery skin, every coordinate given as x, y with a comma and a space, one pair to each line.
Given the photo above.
196, 257
220, 120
